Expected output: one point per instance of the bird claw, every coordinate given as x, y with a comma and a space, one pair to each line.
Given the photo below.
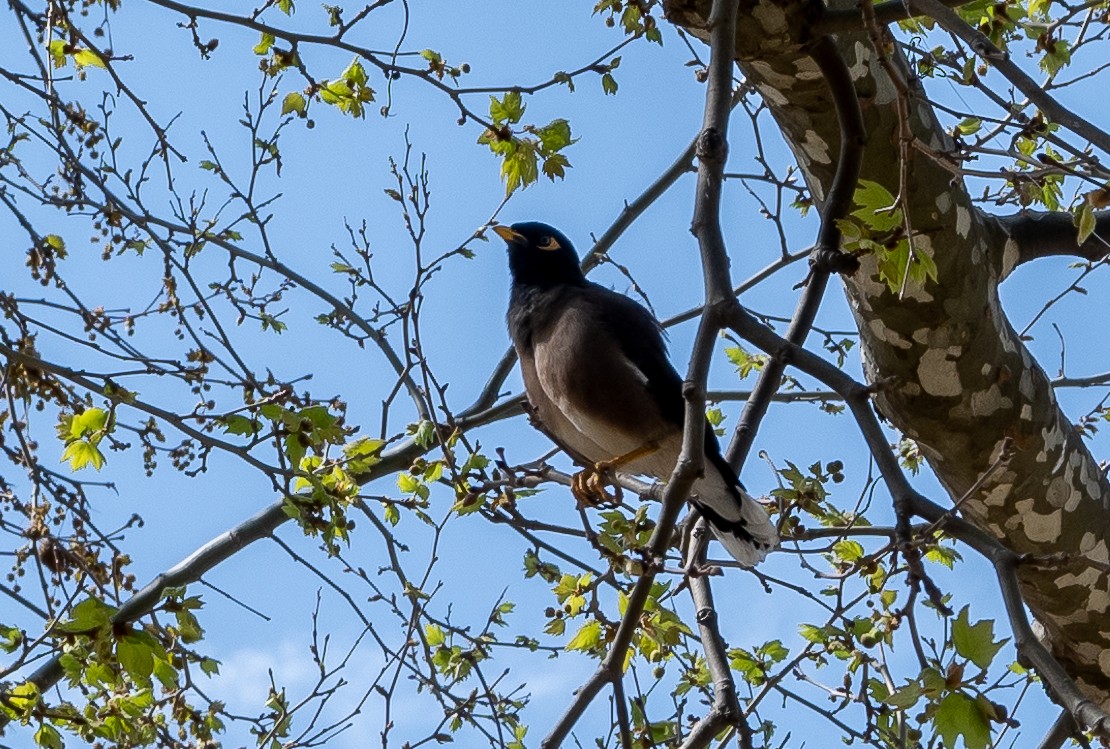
591, 487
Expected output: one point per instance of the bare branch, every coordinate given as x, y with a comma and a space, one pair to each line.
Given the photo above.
950, 21
1038, 234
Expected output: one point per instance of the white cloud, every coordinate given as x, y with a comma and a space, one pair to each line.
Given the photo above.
244, 679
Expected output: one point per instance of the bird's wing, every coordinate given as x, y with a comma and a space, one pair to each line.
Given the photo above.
738, 521
639, 339
600, 363
647, 350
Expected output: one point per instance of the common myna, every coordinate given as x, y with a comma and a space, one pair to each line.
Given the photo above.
596, 370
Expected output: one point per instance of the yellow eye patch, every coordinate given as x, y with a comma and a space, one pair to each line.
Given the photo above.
548, 244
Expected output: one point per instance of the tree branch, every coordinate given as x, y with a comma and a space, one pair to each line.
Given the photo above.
1038, 234
222, 547
726, 704
849, 19
826, 256
1061, 686
712, 150
951, 22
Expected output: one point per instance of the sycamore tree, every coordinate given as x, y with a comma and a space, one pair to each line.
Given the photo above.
255, 380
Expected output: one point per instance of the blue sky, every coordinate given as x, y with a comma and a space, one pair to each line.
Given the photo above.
337, 171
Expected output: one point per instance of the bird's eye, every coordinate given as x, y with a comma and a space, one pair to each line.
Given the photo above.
548, 243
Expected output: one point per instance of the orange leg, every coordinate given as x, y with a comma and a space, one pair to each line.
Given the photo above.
590, 486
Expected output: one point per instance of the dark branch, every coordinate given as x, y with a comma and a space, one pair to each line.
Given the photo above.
824, 259
1039, 234
711, 149
1060, 685
849, 19
951, 22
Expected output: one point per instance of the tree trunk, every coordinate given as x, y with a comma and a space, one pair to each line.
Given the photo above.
958, 380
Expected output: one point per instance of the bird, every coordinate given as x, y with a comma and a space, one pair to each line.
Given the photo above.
598, 379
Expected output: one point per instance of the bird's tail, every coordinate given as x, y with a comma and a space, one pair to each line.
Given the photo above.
738, 521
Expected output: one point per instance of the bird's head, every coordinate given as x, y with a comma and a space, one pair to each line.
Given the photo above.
540, 255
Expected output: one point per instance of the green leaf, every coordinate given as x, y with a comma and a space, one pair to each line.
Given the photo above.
424, 433
10, 638
48, 737
959, 715
745, 362
555, 166
363, 454
87, 58
1057, 56
242, 425
81, 454
812, 632
555, 136
20, 700
507, 110
969, 125
294, 449
263, 47
906, 697
391, 514
135, 652
294, 102
188, 628
349, 92
166, 674
434, 635
1085, 220
877, 209
848, 550
745, 664
945, 555
88, 422
57, 50
975, 642
91, 614
609, 84
407, 483
519, 168
355, 74
587, 638
774, 651
56, 243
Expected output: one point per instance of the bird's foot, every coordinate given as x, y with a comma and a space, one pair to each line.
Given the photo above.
591, 486
594, 487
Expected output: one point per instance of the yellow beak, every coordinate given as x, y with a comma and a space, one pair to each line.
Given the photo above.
507, 234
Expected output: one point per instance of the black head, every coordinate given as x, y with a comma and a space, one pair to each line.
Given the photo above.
540, 255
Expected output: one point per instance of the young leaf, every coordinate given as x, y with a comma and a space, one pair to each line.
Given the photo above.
587, 638
508, 109
876, 207
975, 642
90, 614
87, 58
959, 715
294, 103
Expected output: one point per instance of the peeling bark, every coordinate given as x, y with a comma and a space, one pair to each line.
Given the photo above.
963, 382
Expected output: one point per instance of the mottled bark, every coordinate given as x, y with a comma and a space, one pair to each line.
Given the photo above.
961, 382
